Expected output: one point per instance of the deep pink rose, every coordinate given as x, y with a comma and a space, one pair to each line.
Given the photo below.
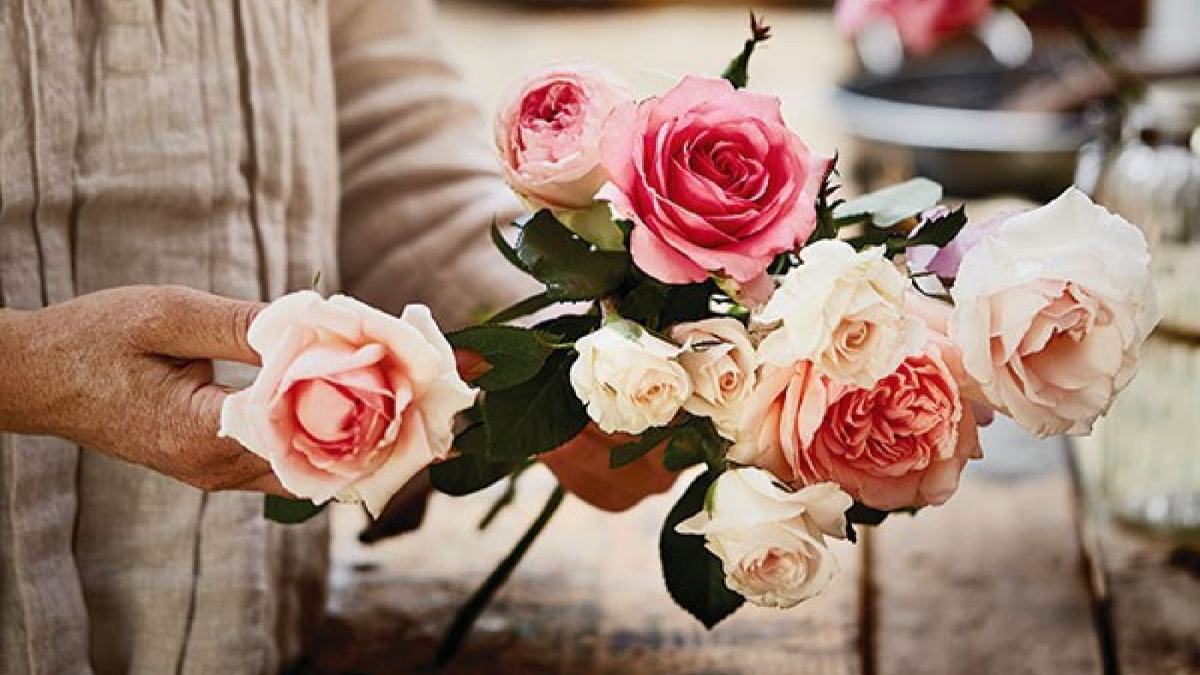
712, 179
899, 443
922, 24
548, 132
350, 402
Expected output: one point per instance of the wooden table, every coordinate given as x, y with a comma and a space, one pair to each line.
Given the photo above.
1009, 577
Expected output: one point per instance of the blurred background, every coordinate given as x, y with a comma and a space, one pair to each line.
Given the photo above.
1004, 115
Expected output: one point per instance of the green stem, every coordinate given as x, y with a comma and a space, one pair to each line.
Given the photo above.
466, 616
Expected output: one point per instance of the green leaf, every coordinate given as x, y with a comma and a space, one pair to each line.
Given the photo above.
569, 267
290, 511
737, 72
515, 354
644, 302
507, 251
628, 453
695, 442
940, 231
892, 204
473, 470
570, 326
596, 226
693, 575
862, 514
523, 308
535, 416
687, 303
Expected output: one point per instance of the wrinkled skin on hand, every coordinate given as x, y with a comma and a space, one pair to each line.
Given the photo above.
128, 372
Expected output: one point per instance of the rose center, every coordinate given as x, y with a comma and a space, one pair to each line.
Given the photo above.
324, 411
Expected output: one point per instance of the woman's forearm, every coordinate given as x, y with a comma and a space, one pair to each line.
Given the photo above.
13, 366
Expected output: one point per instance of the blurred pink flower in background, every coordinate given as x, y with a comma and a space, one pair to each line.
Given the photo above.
922, 24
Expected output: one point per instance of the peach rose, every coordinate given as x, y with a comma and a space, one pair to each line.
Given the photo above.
922, 24
712, 179
901, 442
1051, 309
351, 402
771, 541
548, 134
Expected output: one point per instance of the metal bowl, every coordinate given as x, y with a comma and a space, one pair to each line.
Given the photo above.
943, 120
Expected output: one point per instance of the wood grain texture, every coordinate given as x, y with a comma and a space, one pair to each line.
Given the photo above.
1154, 592
990, 582
588, 599
1149, 589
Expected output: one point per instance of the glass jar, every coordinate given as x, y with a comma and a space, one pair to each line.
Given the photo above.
1148, 446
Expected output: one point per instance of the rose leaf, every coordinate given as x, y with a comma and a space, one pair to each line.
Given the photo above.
892, 204
289, 511
535, 416
570, 267
514, 354
473, 470
693, 575
628, 453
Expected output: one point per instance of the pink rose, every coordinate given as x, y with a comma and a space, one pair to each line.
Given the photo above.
1050, 311
351, 402
922, 24
902, 442
712, 179
548, 134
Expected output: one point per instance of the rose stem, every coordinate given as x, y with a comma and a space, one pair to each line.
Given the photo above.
465, 618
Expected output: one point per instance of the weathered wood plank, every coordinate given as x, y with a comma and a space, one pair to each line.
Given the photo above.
990, 582
1150, 589
588, 599
1154, 593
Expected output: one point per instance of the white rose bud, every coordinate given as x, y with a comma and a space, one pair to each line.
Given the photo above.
719, 358
844, 311
771, 541
629, 379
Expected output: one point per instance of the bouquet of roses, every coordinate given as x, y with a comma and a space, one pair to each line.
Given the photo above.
826, 362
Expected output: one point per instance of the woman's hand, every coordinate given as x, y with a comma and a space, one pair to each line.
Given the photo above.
128, 372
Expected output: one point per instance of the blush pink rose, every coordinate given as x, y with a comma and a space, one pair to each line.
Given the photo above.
712, 179
548, 132
922, 24
902, 442
1051, 309
350, 402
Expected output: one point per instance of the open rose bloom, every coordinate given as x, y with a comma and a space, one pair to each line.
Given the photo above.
712, 179
723, 310
350, 402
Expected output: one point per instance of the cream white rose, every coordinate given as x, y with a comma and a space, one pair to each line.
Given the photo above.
844, 311
771, 541
1051, 309
629, 379
719, 358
